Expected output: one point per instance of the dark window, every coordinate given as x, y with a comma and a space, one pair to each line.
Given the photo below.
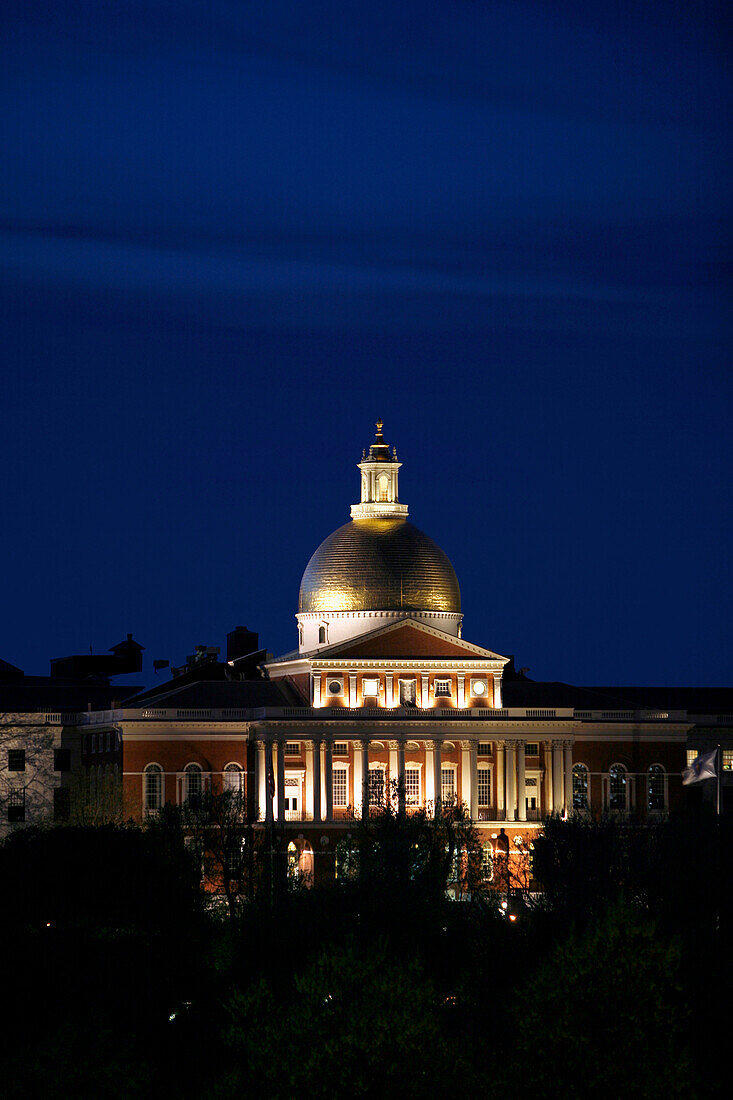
532, 749
61, 804
16, 760
16, 806
580, 787
62, 760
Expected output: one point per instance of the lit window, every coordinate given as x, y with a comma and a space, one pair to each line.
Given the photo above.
234, 779
532, 748
340, 748
442, 687
478, 687
370, 688
580, 787
412, 786
291, 748
655, 787
487, 863
484, 787
617, 787
16, 806
692, 754
340, 792
727, 759
448, 784
376, 787
193, 784
16, 760
153, 788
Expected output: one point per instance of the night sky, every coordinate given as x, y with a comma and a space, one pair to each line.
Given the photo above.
232, 235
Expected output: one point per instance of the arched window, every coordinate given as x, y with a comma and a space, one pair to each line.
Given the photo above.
383, 487
617, 787
655, 787
580, 787
322, 634
487, 863
194, 784
234, 779
292, 860
153, 788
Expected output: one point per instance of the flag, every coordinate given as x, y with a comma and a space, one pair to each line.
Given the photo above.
270, 779
702, 767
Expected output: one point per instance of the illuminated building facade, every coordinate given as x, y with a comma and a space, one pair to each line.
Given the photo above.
383, 693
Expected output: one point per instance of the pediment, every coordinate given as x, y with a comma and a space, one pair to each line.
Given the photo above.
409, 639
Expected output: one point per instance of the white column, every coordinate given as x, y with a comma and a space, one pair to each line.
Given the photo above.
497, 690
500, 795
511, 782
401, 775
424, 693
393, 772
309, 779
466, 774
474, 781
280, 780
269, 772
389, 689
365, 778
557, 792
438, 760
429, 792
316, 689
521, 783
352, 689
358, 778
317, 781
258, 802
568, 776
329, 780
461, 699
547, 749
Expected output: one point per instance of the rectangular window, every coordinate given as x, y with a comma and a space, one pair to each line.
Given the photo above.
412, 786
61, 803
340, 789
532, 748
16, 760
16, 806
370, 688
484, 748
62, 760
292, 748
727, 759
692, 754
447, 784
484, 787
340, 748
442, 687
376, 787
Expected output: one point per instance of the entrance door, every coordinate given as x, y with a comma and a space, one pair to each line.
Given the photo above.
531, 799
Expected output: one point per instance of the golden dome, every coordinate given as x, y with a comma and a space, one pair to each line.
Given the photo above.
379, 565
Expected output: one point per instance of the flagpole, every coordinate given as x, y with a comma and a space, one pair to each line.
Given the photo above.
718, 770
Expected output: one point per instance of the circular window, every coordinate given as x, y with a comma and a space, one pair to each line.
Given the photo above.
334, 687
479, 687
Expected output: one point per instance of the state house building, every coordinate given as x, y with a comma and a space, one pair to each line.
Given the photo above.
384, 687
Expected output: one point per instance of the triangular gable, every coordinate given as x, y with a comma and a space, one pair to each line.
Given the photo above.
408, 638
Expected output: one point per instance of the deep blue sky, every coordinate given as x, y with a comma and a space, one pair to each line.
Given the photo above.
232, 235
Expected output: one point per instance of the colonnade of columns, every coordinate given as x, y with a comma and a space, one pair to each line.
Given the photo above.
509, 762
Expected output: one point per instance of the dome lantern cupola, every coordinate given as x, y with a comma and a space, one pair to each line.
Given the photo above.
377, 567
379, 489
